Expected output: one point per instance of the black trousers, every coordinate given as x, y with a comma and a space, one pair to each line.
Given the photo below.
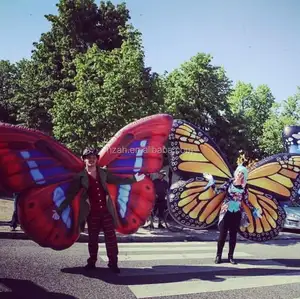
159, 207
231, 223
14, 220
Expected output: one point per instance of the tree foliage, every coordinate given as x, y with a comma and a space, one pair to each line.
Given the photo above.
32, 97
197, 91
86, 79
112, 89
288, 113
8, 87
253, 108
78, 26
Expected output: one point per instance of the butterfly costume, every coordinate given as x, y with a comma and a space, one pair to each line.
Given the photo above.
52, 182
193, 201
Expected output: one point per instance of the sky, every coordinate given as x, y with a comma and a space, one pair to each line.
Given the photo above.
256, 41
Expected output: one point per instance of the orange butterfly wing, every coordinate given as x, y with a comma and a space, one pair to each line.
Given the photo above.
194, 206
272, 180
192, 153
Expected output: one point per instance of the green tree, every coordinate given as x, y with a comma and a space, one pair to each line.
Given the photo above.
241, 98
197, 91
253, 108
8, 87
112, 89
288, 113
31, 97
291, 107
78, 26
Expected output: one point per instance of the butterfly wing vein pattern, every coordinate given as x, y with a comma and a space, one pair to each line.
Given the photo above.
193, 153
193, 204
272, 180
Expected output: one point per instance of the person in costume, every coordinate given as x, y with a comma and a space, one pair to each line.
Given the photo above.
252, 199
53, 183
100, 216
232, 215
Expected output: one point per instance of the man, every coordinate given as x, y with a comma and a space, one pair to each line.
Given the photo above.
101, 209
161, 189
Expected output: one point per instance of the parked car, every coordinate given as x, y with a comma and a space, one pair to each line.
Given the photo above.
292, 211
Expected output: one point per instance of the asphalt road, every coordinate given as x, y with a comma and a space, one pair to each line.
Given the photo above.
151, 270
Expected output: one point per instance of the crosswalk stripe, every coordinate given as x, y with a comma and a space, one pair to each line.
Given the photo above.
168, 249
195, 252
200, 286
165, 244
169, 256
197, 268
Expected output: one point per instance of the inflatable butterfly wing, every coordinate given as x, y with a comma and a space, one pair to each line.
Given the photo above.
44, 173
137, 148
274, 179
194, 205
191, 153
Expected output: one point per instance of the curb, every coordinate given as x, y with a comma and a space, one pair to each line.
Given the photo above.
121, 238
149, 239
19, 235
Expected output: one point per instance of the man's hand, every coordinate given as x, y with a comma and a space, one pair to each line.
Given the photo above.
139, 177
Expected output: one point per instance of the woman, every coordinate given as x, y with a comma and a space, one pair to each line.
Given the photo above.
232, 215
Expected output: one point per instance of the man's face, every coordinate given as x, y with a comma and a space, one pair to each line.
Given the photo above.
90, 160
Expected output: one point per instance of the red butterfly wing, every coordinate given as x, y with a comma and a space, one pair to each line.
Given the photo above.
29, 158
38, 216
133, 204
138, 147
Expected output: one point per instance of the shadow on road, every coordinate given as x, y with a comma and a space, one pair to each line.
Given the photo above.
136, 276
21, 289
280, 242
159, 274
295, 263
